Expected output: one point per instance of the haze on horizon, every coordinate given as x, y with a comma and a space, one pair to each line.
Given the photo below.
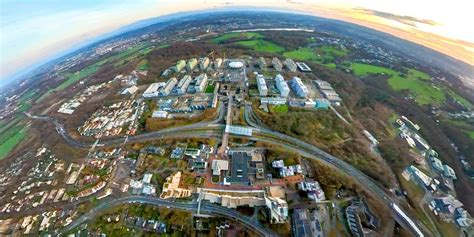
32, 32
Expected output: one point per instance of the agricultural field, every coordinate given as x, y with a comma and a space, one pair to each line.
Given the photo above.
417, 82
72, 78
10, 139
236, 35
260, 45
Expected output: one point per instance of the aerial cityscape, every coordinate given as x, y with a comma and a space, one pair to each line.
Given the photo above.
239, 122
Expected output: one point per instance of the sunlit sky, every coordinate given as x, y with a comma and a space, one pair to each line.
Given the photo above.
35, 30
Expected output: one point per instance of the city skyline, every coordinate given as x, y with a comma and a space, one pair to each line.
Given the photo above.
38, 32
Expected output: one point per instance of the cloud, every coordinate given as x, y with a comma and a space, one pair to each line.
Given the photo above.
407, 20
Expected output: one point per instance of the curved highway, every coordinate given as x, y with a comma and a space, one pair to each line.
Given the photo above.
206, 208
212, 129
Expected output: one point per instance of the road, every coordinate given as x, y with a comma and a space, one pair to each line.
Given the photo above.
206, 208
312, 152
212, 129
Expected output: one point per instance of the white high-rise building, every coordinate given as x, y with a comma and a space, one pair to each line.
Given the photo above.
282, 86
262, 85
183, 84
166, 90
299, 87
201, 82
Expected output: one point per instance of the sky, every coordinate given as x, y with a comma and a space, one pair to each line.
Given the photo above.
33, 31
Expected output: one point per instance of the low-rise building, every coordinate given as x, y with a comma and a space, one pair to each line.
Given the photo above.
273, 100
313, 190
159, 114
172, 189
303, 67
290, 65
219, 165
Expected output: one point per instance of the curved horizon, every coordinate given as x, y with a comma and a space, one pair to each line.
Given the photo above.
20, 61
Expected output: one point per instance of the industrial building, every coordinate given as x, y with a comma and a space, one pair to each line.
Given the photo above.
201, 82
277, 64
192, 63
290, 65
183, 85
170, 84
303, 67
262, 85
153, 90
282, 86
179, 66
299, 87
204, 63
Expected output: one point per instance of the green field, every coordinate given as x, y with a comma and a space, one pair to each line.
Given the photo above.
72, 78
210, 88
9, 143
280, 108
143, 65
415, 81
260, 45
325, 55
236, 35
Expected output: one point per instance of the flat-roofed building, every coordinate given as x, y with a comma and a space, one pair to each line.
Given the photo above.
299, 87
201, 82
218, 63
191, 64
277, 64
179, 65
290, 65
183, 85
273, 100
170, 84
303, 67
262, 64
204, 63
218, 166
153, 90
172, 189
282, 86
262, 85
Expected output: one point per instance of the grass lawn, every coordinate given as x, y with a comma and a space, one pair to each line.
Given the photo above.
415, 81
470, 134
280, 108
10, 143
260, 45
325, 55
143, 65
234, 35
210, 88
303, 54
